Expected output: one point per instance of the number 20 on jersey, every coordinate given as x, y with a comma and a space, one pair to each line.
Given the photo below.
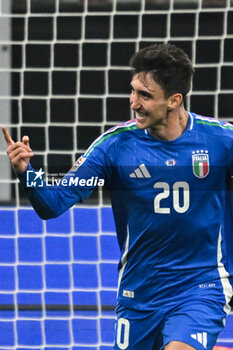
180, 197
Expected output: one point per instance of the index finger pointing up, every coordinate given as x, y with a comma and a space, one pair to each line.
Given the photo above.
7, 136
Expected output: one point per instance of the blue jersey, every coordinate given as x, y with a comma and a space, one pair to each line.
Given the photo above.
172, 207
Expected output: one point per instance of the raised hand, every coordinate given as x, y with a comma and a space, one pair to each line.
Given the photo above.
19, 153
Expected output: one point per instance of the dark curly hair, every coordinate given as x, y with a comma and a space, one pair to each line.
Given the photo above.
170, 67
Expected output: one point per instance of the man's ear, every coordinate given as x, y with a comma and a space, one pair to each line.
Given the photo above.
175, 101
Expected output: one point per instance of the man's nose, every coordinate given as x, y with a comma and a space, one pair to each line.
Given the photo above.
134, 102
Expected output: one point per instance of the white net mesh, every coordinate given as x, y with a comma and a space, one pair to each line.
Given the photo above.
64, 79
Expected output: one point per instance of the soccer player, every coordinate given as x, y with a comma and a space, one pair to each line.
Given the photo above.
169, 172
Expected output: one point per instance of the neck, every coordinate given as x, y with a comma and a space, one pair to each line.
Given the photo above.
172, 126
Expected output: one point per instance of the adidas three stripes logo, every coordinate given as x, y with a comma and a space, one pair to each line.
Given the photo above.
201, 338
141, 172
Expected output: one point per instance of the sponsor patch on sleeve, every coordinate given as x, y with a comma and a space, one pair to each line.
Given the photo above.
78, 163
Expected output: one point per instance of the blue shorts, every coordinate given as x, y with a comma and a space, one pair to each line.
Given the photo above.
195, 320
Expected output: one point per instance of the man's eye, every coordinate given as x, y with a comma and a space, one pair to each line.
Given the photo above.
144, 94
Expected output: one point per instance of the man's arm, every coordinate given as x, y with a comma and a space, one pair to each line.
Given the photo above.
50, 201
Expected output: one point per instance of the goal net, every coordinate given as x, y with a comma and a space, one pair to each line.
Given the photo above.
64, 80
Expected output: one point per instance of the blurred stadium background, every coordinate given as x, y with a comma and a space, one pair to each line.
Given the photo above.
64, 79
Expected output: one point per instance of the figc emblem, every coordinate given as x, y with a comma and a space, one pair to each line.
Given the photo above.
200, 161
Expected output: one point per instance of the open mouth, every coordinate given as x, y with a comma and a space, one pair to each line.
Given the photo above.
141, 117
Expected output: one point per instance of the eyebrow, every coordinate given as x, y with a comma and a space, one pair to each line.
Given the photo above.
141, 92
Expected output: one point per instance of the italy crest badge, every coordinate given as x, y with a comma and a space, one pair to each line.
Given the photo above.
200, 161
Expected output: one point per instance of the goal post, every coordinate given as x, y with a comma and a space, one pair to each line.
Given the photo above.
5, 91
